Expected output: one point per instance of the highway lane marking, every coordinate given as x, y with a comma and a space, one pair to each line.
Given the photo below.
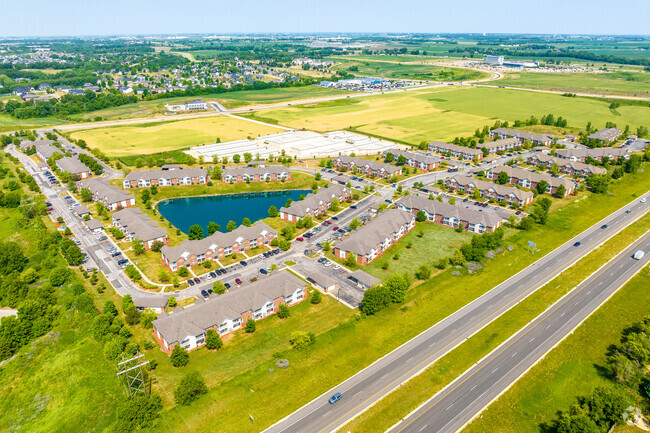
563, 314
449, 391
325, 414
531, 340
513, 354
548, 326
477, 326
425, 426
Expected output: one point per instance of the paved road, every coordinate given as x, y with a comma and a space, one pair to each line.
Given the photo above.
455, 406
380, 378
559, 92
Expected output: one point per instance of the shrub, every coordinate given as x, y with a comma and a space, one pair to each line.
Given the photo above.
179, 357
250, 326
283, 311
172, 301
212, 340
301, 340
191, 386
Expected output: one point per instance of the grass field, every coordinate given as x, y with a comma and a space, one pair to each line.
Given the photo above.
349, 347
9, 123
166, 136
268, 96
444, 113
618, 83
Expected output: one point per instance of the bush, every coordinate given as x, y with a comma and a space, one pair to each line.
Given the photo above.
283, 311
179, 357
191, 386
212, 340
183, 271
316, 297
301, 340
172, 301
250, 326
424, 273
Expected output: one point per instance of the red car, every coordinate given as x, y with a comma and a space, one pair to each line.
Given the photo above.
300, 239
238, 281
335, 229
328, 222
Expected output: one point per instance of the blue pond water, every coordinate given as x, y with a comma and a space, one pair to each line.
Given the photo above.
187, 211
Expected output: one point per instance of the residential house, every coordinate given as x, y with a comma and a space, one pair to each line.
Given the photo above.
228, 312
22, 90
365, 166
536, 139
605, 135
216, 246
530, 178
72, 165
379, 234
490, 190
111, 196
454, 150
81, 211
136, 225
166, 177
414, 159
256, 174
447, 214
314, 204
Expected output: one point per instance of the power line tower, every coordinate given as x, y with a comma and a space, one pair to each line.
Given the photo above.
131, 371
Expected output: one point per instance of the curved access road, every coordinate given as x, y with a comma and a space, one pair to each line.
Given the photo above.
454, 407
373, 383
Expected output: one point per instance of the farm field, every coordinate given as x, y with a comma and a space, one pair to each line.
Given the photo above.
446, 112
167, 136
619, 83
268, 96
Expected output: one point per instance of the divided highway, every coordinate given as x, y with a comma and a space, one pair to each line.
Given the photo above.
386, 374
451, 409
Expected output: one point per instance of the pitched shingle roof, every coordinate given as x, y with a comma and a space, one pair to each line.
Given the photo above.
376, 231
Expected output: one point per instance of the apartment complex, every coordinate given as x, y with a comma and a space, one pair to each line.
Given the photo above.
454, 150
136, 225
500, 145
414, 159
371, 240
567, 167
111, 196
536, 139
597, 153
365, 166
529, 179
314, 204
451, 215
228, 312
256, 174
72, 165
606, 135
216, 246
166, 177
490, 190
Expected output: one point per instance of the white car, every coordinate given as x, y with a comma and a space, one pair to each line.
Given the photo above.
337, 267
643, 200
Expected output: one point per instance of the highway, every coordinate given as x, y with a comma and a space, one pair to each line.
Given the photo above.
467, 396
386, 374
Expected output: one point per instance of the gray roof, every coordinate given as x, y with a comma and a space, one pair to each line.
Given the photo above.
488, 217
81, 210
525, 135
72, 165
251, 171
534, 176
150, 302
166, 174
449, 147
46, 150
138, 225
313, 200
231, 305
316, 277
364, 278
598, 152
105, 191
216, 240
374, 165
579, 166
415, 156
376, 230
93, 224
483, 185
27, 143
606, 134
503, 142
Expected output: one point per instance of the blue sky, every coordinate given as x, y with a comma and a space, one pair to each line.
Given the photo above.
95, 17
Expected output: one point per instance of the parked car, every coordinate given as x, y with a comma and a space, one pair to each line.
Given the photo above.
353, 206
300, 239
335, 229
335, 218
209, 276
238, 281
197, 280
116, 253
190, 282
263, 271
102, 238
226, 285
204, 293
604, 226
243, 263
213, 274
224, 271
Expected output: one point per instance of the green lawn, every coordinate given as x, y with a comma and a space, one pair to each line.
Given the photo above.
346, 349
9, 123
444, 113
619, 83
166, 136
267, 96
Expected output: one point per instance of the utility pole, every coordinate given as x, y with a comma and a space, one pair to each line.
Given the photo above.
131, 371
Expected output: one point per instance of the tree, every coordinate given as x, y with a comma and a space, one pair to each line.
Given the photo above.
191, 386
424, 272
401, 160
12, 258
273, 211
213, 228
127, 303
301, 340
421, 216
146, 195
542, 185
138, 247
247, 222
334, 205
110, 308
138, 413
250, 326
236, 158
248, 157
172, 301
183, 271
316, 297
86, 194
326, 246
355, 223
351, 260
212, 340
598, 183
374, 300
231, 226
218, 287
283, 311
196, 232
503, 178
560, 191
179, 356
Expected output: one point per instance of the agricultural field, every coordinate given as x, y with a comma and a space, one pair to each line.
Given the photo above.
166, 136
616, 83
446, 112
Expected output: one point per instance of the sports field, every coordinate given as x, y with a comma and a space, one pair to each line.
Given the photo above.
165, 136
619, 83
446, 112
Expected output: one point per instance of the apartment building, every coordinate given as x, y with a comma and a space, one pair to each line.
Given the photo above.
166, 177
266, 173
365, 166
530, 178
111, 196
455, 151
314, 204
490, 190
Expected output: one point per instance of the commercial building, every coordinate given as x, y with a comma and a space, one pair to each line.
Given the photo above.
136, 225
454, 150
216, 246
72, 165
414, 159
197, 104
228, 312
529, 179
598, 153
451, 215
567, 167
111, 196
379, 234
490, 190
314, 204
166, 177
367, 167
493, 60
606, 135
536, 139
256, 174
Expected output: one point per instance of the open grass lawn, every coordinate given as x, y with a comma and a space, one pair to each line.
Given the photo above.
349, 347
623, 83
444, 113
267, 96
165, 136
438, 241
401, 402
9, 123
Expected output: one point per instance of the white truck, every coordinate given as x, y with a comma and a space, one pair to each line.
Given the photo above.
638, 255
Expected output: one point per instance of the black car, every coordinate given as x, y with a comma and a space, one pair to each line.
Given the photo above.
223, 271
218, 271
604, 226
197, 280
226, 285
121, 262
116, 253
204, 293
190, 282
213, 275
